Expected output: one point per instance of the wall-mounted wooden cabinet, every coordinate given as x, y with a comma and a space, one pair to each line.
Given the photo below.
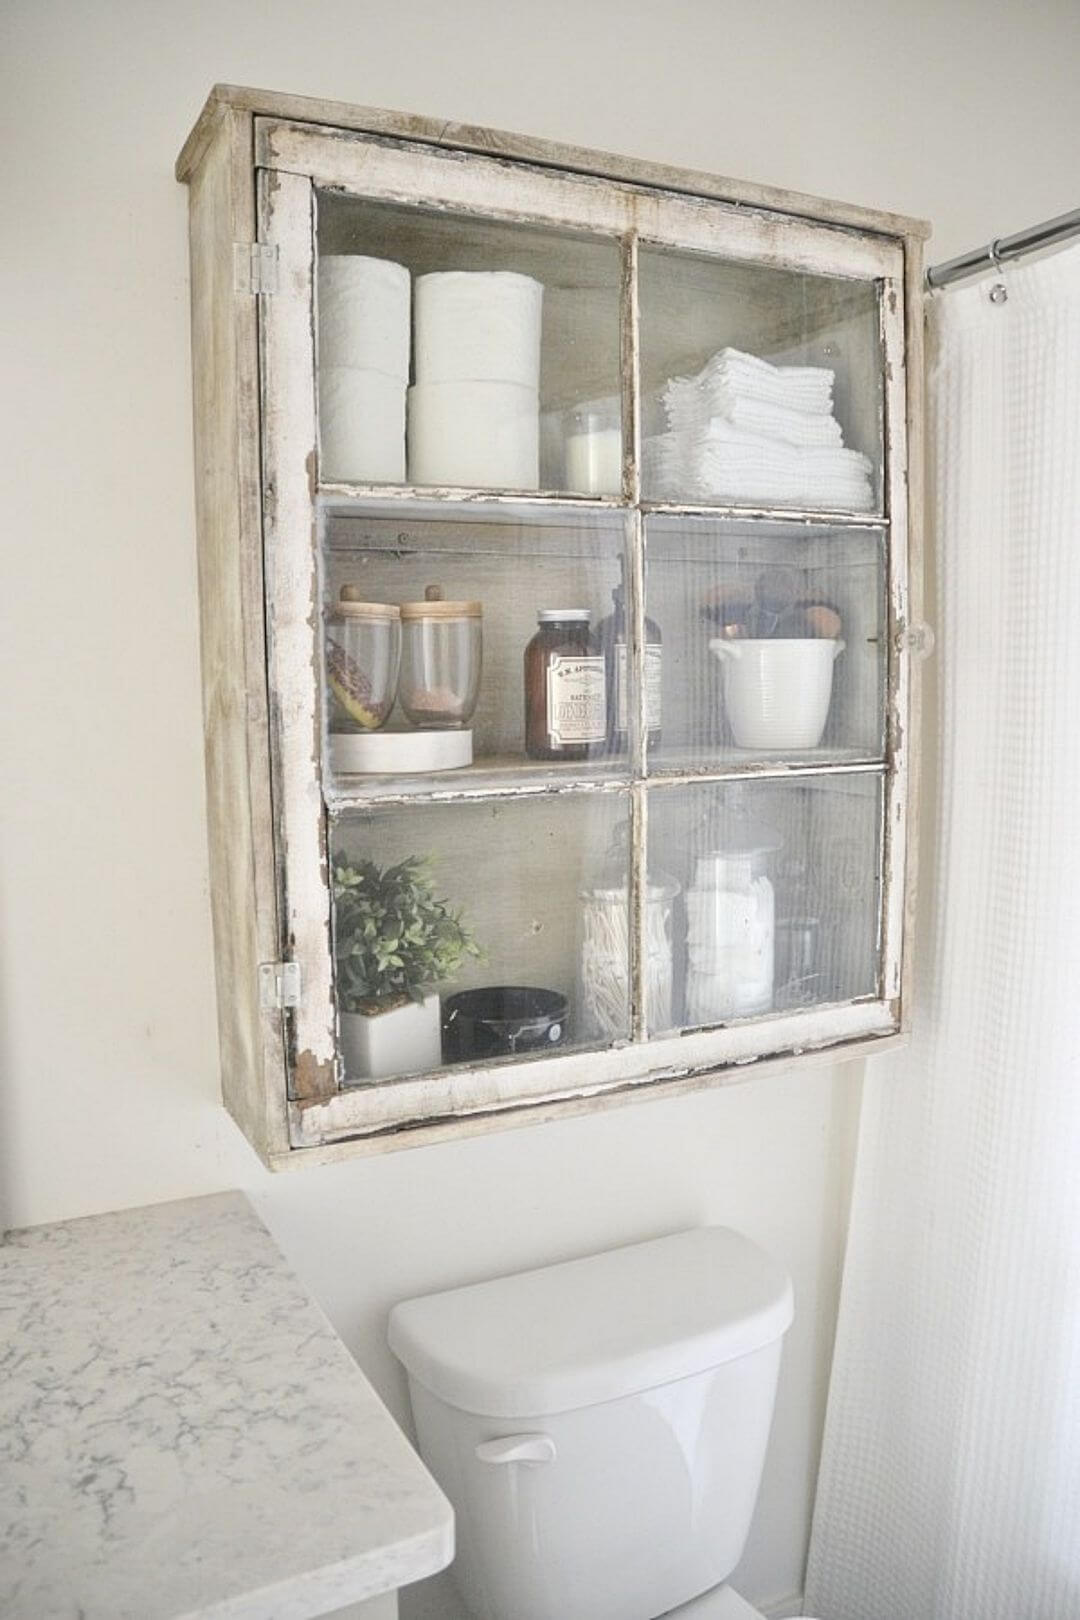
458, 392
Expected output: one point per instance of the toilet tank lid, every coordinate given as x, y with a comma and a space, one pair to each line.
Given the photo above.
591, 1330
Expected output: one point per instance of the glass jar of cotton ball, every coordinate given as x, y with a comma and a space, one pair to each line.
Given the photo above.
603, 979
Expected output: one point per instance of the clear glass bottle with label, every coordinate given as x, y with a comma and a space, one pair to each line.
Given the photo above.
611, 633
565, 688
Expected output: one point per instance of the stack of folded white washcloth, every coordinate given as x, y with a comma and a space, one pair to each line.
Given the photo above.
746, 430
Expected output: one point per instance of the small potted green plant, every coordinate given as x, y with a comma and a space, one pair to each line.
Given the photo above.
394, 941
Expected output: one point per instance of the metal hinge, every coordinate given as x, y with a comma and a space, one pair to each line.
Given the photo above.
255, 267
279, 985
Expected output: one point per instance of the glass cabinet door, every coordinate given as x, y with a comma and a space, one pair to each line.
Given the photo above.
779, 896
774, 641
458, 351
762, 387
585, 566
520, 953
469, 649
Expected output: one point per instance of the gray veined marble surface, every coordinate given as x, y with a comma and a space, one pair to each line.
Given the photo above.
183, 1434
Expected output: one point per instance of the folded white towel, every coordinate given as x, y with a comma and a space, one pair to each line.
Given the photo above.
743, 429
726, 465
718, 479
742, 489
801, 388
689, 406
719, 431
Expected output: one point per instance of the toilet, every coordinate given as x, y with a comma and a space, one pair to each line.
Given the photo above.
600, 1426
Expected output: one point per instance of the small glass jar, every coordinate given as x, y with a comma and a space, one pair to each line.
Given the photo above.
441, 657
603, 977
593, 451
565, 688
363, 650
730, 936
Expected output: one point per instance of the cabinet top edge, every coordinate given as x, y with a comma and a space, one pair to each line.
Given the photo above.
501, 143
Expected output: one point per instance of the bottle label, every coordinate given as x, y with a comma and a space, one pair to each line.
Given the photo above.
576, 700
654, 669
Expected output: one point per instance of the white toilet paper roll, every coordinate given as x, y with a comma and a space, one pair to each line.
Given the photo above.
364, 313
478, 326
476, 433
361, 426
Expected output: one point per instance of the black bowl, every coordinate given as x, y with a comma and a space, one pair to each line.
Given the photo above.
501, 1020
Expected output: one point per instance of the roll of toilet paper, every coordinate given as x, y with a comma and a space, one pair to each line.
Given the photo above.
361, 426
476, 433
364, 314
478, 326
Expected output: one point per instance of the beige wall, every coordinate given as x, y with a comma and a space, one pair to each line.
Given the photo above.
962, 112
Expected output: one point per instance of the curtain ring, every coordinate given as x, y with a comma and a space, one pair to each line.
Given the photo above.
999, 293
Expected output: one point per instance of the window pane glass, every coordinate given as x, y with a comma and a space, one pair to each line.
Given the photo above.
476, 671
762, 387
773, 642
779, 894
456, 351
477, 909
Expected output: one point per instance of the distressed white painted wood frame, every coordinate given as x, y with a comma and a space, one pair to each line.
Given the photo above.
393, 171
898, 681
297, 160
242, 103
286, 330
462, 1093
228, 506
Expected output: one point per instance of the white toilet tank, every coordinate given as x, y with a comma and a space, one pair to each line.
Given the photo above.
600, 1425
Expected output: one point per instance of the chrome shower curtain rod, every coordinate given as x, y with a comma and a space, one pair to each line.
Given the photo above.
1003, 248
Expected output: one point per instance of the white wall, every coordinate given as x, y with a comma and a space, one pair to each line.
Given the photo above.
963, 112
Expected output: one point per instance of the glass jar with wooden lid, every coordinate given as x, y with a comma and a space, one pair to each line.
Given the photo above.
363, 651
441, 660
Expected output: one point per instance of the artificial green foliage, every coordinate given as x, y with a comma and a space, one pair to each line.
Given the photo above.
393, 939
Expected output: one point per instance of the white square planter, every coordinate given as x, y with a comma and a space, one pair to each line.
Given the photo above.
405, 1040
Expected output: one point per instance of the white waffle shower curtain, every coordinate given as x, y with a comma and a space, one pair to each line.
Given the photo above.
950, 1480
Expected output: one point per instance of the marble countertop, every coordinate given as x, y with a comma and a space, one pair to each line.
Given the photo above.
183, 1434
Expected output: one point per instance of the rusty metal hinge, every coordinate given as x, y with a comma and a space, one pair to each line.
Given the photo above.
255, 267
279, 985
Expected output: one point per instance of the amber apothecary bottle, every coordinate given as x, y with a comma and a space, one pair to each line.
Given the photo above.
612, 637
565, 688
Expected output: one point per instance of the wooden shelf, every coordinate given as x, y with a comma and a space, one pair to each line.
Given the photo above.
512, 776
727, 763
537, 507
791, 515
541, 506
495, 776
